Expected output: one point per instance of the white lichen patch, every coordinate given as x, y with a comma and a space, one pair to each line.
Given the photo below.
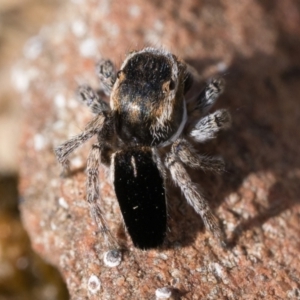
88, 47
60, 101
163, 293
21, 78
79, 28
220, 273
112, 258
63, 203
77, 162
39, 142
134, 11
94, 284
33, 48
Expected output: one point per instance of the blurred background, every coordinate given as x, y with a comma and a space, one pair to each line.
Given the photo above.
23, 274
262, 49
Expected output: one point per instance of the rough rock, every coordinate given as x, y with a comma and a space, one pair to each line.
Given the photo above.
255, 46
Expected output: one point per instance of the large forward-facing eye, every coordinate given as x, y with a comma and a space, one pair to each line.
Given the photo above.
119, 73
168, 86
172, 85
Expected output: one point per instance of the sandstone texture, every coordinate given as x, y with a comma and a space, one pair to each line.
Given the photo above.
254, 46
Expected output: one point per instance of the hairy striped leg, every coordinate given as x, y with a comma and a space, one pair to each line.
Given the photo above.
64, 150
107, 75
208, 127
198, 106
207, 98
91, 99
189, 156
93, 195
193, 196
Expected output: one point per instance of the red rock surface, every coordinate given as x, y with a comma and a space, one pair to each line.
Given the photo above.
255, 45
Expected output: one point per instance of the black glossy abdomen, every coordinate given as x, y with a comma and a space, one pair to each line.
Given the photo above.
140, 191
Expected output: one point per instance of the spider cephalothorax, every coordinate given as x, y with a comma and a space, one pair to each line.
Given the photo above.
147, 97
144, 136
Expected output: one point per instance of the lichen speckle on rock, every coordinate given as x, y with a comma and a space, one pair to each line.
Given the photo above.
94, 284
259, 42
112, 258
163, 293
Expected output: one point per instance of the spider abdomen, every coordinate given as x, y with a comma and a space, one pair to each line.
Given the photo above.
140, 191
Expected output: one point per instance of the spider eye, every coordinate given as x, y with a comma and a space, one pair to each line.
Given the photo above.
131, 52
172, 85
119, 74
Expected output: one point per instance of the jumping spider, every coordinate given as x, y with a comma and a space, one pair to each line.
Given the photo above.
144, 136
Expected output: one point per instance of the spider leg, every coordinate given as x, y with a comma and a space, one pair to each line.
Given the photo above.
188, 155
207, 97
192, 195
64, 150
93, 195
208, 127
203, 102
210, 94
90, 98
107, 75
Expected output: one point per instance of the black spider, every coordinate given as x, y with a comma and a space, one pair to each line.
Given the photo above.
144, 136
